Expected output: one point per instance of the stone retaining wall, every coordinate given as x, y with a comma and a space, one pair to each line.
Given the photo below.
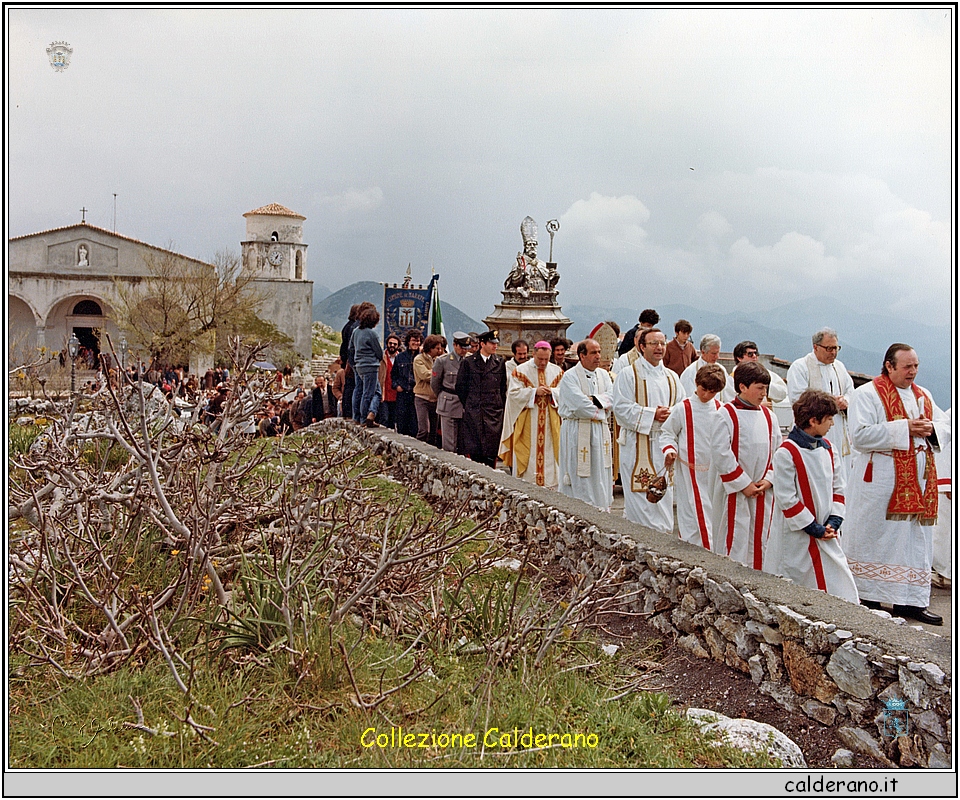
812, 653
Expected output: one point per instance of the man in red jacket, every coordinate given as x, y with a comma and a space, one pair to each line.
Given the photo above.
680, 353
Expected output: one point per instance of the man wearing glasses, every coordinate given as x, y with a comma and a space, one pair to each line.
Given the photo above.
823, 371
748, 351
643, 395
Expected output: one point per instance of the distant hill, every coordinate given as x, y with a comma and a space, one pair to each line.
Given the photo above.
321, 292
785, 332
335, 309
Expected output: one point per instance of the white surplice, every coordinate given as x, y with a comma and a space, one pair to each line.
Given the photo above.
575, 407
535, 430
640, 436
890, 559
744, 442
834, 380
809, 493
688, 432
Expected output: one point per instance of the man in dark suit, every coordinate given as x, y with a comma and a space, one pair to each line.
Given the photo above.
482, 389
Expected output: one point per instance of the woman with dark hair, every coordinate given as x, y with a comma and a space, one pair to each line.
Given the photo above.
403, 381
367, 353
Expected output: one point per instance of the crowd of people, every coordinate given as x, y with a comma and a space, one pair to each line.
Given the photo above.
845, 502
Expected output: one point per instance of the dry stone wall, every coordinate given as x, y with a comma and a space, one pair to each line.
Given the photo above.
834, 661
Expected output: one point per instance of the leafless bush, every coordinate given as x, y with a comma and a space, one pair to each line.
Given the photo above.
137, 531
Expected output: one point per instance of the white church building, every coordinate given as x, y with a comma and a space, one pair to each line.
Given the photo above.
61, 280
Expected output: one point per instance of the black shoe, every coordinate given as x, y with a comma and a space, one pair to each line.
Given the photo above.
870, 604
919, 614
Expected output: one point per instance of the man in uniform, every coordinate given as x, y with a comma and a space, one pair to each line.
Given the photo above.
895, 426
643, 395
584, 403
530, 443
482, 389
444, 384
823, 371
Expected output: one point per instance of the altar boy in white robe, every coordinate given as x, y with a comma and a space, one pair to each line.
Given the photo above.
808, 489
584, 402
643, 395
744, 441
687, 438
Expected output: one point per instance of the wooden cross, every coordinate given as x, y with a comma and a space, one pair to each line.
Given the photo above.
84, 212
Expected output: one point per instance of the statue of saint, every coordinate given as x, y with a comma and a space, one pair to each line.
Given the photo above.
82, 256
530, 274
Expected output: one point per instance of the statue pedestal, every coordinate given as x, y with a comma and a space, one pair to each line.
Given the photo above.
532, 317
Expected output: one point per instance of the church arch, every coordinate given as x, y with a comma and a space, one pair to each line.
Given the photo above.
88, 308
299, 265
85, 315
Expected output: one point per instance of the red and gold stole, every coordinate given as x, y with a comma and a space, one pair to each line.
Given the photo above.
907, 501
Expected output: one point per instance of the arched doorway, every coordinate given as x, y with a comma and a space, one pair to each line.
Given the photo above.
85, 323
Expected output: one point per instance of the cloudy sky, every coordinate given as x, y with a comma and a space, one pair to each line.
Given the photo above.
737, 158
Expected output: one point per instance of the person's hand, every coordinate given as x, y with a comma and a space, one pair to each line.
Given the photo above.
830, 533
841, 402
669, 459
661, 414
920, 427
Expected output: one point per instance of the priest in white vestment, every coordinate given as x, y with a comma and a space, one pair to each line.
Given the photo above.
709, 354
643, 395
530, 444
823, 371
893, 498
584, 402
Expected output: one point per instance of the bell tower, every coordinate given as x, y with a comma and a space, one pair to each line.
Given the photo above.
274, 248
275, 256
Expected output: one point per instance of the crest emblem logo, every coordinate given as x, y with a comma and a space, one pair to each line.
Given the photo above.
896, 720
59, 54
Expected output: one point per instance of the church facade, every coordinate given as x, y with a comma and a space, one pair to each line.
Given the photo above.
61, 281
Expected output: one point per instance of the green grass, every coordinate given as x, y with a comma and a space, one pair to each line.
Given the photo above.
263, 714
454, 659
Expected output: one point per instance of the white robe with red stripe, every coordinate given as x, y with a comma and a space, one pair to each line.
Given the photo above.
808, 486
744, 442
688, 432
943, 530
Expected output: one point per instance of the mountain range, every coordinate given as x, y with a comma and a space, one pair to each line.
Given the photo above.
334, 309
783, 332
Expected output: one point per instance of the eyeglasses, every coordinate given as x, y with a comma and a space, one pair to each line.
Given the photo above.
834, 349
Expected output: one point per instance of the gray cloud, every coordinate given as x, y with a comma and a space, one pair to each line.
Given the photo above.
820, 143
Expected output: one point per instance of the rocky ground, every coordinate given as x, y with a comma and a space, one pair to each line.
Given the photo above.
702, 683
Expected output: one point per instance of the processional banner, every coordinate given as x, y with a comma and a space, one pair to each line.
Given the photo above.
406, 307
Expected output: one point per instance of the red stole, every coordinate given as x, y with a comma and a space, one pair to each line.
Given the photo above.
907, 501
